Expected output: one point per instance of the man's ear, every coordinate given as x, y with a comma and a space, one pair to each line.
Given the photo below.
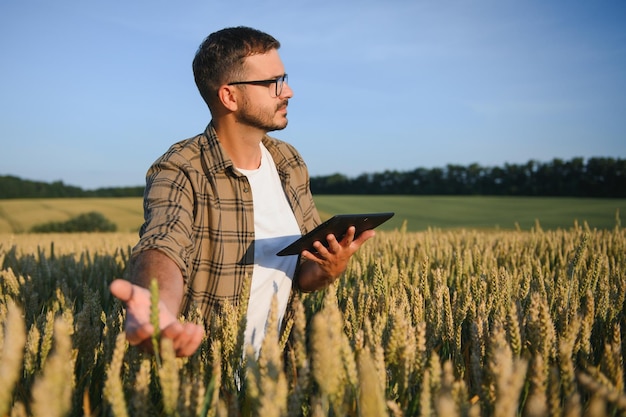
227, 95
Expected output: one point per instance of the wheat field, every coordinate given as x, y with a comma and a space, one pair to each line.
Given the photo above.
432, 323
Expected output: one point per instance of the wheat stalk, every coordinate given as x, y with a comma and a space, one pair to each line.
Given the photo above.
52, 391
114, 387
12, 354
371, 396
168, 376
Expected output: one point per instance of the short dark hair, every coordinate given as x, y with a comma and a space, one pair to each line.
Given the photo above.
220, 57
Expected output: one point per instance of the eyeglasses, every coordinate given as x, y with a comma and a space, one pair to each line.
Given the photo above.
279, 82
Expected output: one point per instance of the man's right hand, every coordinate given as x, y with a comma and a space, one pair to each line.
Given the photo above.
186, 337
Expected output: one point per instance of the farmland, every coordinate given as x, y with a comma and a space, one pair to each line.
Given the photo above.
447, 320
18, 216
420, 213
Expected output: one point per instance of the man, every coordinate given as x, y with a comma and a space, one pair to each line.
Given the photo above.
219, 206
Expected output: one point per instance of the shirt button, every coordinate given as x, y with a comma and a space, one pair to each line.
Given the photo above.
246, 189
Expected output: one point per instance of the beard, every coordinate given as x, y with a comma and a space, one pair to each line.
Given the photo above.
263, 118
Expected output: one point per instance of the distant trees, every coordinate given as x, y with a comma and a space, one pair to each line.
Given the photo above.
86, 222
14, 187
596, 177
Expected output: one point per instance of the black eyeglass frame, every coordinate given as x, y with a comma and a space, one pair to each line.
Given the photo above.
279, 81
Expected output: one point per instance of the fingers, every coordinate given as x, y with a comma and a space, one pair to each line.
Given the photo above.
333, 245
121, 289
366, 235
349, 243
332, 260
139, 334
349, 236
189, 340
186, 337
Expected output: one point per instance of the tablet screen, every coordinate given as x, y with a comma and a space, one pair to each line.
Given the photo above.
337, 225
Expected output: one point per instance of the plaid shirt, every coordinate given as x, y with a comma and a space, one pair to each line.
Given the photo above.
198, 210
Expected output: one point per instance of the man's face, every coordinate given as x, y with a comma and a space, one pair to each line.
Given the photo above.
260, 107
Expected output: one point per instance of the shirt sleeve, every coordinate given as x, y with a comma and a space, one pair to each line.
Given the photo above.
168, 214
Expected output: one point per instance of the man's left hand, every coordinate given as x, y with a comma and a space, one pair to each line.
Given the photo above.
328, 263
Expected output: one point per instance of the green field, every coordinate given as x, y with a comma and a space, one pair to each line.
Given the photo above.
478, 212
419, 212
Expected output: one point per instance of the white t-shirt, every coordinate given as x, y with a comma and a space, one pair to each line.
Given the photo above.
275, 226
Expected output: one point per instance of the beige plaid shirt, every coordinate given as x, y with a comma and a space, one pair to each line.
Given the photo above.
198, 210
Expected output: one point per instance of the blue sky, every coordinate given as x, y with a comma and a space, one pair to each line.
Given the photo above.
92, 92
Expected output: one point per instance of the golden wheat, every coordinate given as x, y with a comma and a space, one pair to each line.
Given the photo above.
465, 322
14, 338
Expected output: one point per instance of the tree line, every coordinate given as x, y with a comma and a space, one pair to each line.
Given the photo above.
594, 177
15, 187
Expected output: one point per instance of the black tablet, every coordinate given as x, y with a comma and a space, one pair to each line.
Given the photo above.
337, 225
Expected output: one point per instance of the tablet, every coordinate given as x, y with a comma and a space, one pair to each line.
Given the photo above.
337, 225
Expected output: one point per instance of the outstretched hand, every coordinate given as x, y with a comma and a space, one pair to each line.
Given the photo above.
186, 337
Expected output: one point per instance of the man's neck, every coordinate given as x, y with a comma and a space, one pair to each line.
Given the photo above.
241, 143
